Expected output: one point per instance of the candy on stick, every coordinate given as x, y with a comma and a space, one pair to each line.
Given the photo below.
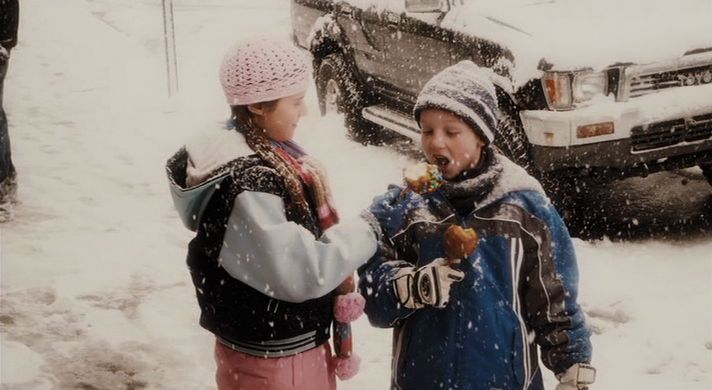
343, 343
348, 306
423, 178
459, 243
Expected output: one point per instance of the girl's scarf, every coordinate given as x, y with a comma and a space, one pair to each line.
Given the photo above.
313, 175
299, 172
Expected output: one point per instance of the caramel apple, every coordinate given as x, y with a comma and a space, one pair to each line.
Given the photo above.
423, 178
460, 243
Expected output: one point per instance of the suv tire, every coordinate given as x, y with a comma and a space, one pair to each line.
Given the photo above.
563, 190
567, 194
510, 139
509, 135
338, 90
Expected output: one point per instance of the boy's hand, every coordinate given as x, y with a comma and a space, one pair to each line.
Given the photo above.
428, 285
577, 377
391, 208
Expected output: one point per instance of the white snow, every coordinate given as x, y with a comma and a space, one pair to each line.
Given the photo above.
24, 366
94, 288
578, 34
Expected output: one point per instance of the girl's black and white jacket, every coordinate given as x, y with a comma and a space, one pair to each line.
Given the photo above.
263, 275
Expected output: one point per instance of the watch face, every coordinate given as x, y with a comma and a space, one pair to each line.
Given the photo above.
425, 289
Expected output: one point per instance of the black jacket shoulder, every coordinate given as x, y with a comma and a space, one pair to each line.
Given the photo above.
9, 21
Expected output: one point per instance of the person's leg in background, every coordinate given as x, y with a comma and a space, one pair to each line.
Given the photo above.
9, 18
8, 176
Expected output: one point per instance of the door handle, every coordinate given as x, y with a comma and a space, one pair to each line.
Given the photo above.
392, 20
347, 10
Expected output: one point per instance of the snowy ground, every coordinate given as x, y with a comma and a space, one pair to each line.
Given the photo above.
95, 293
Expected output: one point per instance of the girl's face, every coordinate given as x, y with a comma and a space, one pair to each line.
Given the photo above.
281, 118
449, 142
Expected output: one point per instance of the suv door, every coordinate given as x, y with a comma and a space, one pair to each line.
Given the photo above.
416, 51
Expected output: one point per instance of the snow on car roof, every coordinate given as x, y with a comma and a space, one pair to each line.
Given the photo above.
576, 34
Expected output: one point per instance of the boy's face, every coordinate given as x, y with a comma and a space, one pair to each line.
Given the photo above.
281, 118
449, 142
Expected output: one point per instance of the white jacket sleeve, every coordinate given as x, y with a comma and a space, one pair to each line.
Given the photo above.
283, 259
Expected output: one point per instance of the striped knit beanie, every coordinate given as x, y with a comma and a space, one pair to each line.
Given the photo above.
466, 90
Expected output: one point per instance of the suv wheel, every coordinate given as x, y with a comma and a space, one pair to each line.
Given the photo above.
568, 194
563, 190
339, 91
510, 139
333, 97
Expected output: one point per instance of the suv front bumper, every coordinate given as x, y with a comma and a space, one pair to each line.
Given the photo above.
613, 159
666, 130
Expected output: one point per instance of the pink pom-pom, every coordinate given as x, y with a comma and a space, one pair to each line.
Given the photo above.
346, 368
348, 307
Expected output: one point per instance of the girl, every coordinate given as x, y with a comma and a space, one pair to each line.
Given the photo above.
475, 321
267, 253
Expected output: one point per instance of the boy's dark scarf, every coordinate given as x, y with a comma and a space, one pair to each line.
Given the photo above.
471, 187
299, 171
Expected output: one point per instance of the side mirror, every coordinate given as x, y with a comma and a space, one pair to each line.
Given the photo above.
426, 6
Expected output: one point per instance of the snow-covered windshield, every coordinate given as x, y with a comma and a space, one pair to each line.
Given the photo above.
573, 34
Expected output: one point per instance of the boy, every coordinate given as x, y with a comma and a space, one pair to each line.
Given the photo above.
476, 324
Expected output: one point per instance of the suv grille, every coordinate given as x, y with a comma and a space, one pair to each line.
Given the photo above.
647, 83
671, 133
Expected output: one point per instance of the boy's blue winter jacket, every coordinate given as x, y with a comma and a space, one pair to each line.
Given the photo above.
519, 291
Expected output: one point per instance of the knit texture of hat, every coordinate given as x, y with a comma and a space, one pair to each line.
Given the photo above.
467, 91
262, 69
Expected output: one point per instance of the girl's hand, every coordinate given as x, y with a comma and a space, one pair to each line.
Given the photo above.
347, 286
391, 208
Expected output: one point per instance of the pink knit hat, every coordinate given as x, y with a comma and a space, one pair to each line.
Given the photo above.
262, 69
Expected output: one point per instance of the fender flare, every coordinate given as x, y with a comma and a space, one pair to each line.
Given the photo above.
327, 37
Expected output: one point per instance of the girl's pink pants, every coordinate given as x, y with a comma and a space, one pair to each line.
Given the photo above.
310, 370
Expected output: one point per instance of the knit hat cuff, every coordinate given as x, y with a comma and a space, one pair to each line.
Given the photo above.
252, 97
466, 90
466, 113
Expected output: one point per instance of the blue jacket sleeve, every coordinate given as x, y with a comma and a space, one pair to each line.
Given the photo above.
376, 285
551, 295
376, 276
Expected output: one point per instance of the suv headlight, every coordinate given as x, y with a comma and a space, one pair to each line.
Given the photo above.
589, 84
564, 89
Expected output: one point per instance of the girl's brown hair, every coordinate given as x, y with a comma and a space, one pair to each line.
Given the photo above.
241, 114
259, 142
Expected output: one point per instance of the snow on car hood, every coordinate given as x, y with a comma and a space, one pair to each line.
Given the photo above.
576, 34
